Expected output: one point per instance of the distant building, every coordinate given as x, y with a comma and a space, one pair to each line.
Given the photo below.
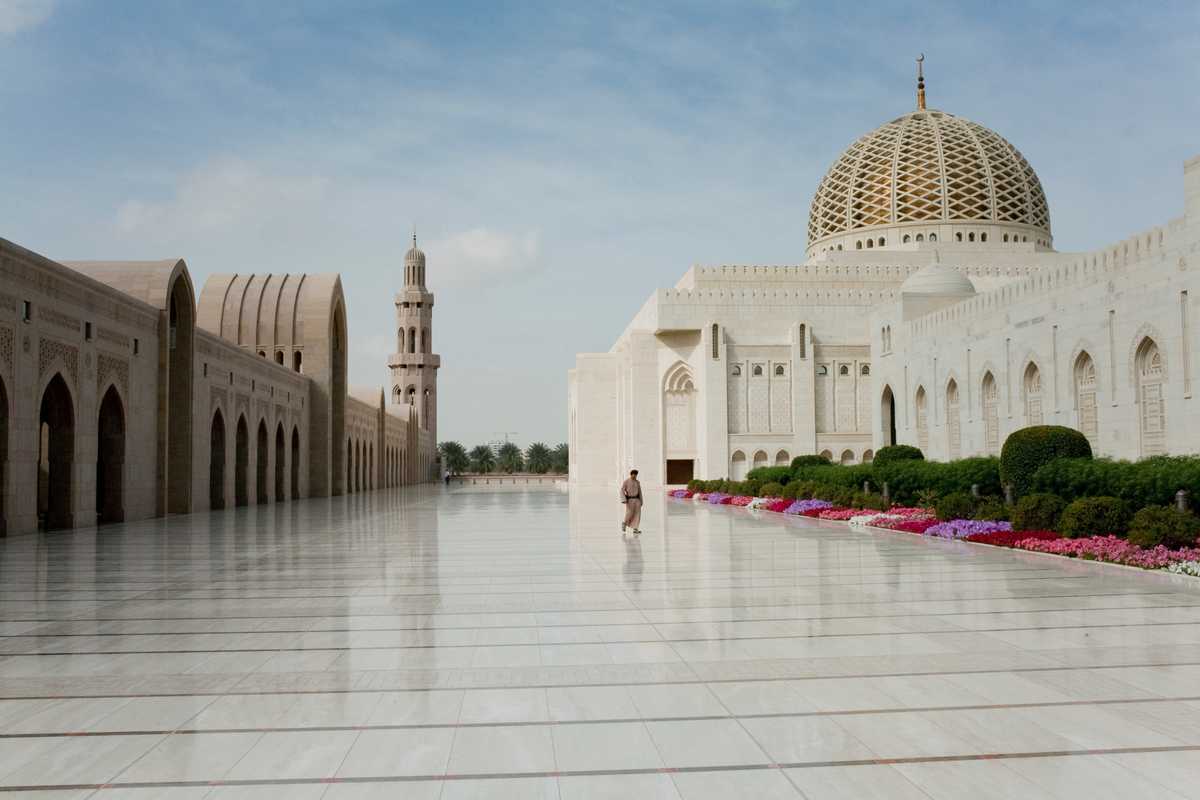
122, 397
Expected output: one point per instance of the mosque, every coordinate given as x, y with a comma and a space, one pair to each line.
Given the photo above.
122, 397
931, 309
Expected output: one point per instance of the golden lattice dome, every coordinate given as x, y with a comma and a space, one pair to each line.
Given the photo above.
929, 167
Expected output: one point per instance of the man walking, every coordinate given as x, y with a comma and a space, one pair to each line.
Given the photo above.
631, 496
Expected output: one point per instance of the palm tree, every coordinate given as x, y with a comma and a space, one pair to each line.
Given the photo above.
482, 460
537, 458
560, 459
509, 459
454, 457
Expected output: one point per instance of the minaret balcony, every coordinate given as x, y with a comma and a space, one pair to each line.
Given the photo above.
427, 360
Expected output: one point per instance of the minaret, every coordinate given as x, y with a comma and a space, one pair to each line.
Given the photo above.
414, 366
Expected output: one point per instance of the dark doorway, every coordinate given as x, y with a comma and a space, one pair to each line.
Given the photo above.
349, 462
56, 457
241, 466
280, 463
295, 463
887, 412
179, 398
216, 463
110, 459
260, 465
680, 470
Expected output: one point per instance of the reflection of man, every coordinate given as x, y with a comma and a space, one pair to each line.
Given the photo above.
632, 571
631, 496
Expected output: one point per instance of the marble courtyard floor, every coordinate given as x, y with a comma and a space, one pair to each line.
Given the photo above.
422, 643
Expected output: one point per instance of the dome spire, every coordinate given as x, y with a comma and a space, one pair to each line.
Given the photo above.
920, 83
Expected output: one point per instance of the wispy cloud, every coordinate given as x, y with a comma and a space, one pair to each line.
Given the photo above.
483, 256
23, 15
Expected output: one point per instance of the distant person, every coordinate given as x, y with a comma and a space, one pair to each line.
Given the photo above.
631, 496
447, 477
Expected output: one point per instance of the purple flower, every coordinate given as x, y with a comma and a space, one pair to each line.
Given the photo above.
800, 506
961, 528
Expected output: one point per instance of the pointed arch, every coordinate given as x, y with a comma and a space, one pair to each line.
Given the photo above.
887, 414
922, 407
782, 459
280, 463
260, 464
847, 457
1151, 377
990, 399
737, 466
241, 463
953, 420
760, 459
216, 462
1087, 410
56, 457
1031, 387
110, 458
295, 465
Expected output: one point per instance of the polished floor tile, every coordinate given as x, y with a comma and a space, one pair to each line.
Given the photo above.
444, 645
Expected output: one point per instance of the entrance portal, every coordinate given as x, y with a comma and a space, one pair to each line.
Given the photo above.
680, 470
216, 463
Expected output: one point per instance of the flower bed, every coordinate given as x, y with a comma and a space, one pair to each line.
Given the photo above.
909, 519
1112, 550
1010, 538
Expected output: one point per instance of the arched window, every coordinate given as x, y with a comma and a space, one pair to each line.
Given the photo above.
1085, 398
991, 414
870, 243
779, 370
1149, 366
920, 237
279, 357
858, 245
737, 370
865, 369
983, 237
781, 459
822, 370
843, 370
1006, 238
737, 466
971, 236
828, 456
400, 340
1032, 384
906, 239
839, 247
933, 237
953, 425
868, 456
715, 341
758, 370
297, 361
922, 420
412, 340
847, 457
262, 353
882, 241
760, 459
958, 236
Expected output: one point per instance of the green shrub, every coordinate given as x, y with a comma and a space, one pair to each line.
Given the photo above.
873, 501
694, 485
898, 452
991, 508
1038, 512
906, 480
1149, 482
771, 490
1094, 516
849, 475
778, 475
956, 505
1026, 450
809, 461
1155, 525
789, 491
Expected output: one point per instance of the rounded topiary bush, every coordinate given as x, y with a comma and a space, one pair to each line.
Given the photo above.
779, 475
956, 505
1094, 516
1155, 525
771, 490
789, 491
1038, 512
1028, 449
897, 452
810, 461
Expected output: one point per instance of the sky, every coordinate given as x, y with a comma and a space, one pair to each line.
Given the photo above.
560, 160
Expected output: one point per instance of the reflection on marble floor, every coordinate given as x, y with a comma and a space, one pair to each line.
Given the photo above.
423, 643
